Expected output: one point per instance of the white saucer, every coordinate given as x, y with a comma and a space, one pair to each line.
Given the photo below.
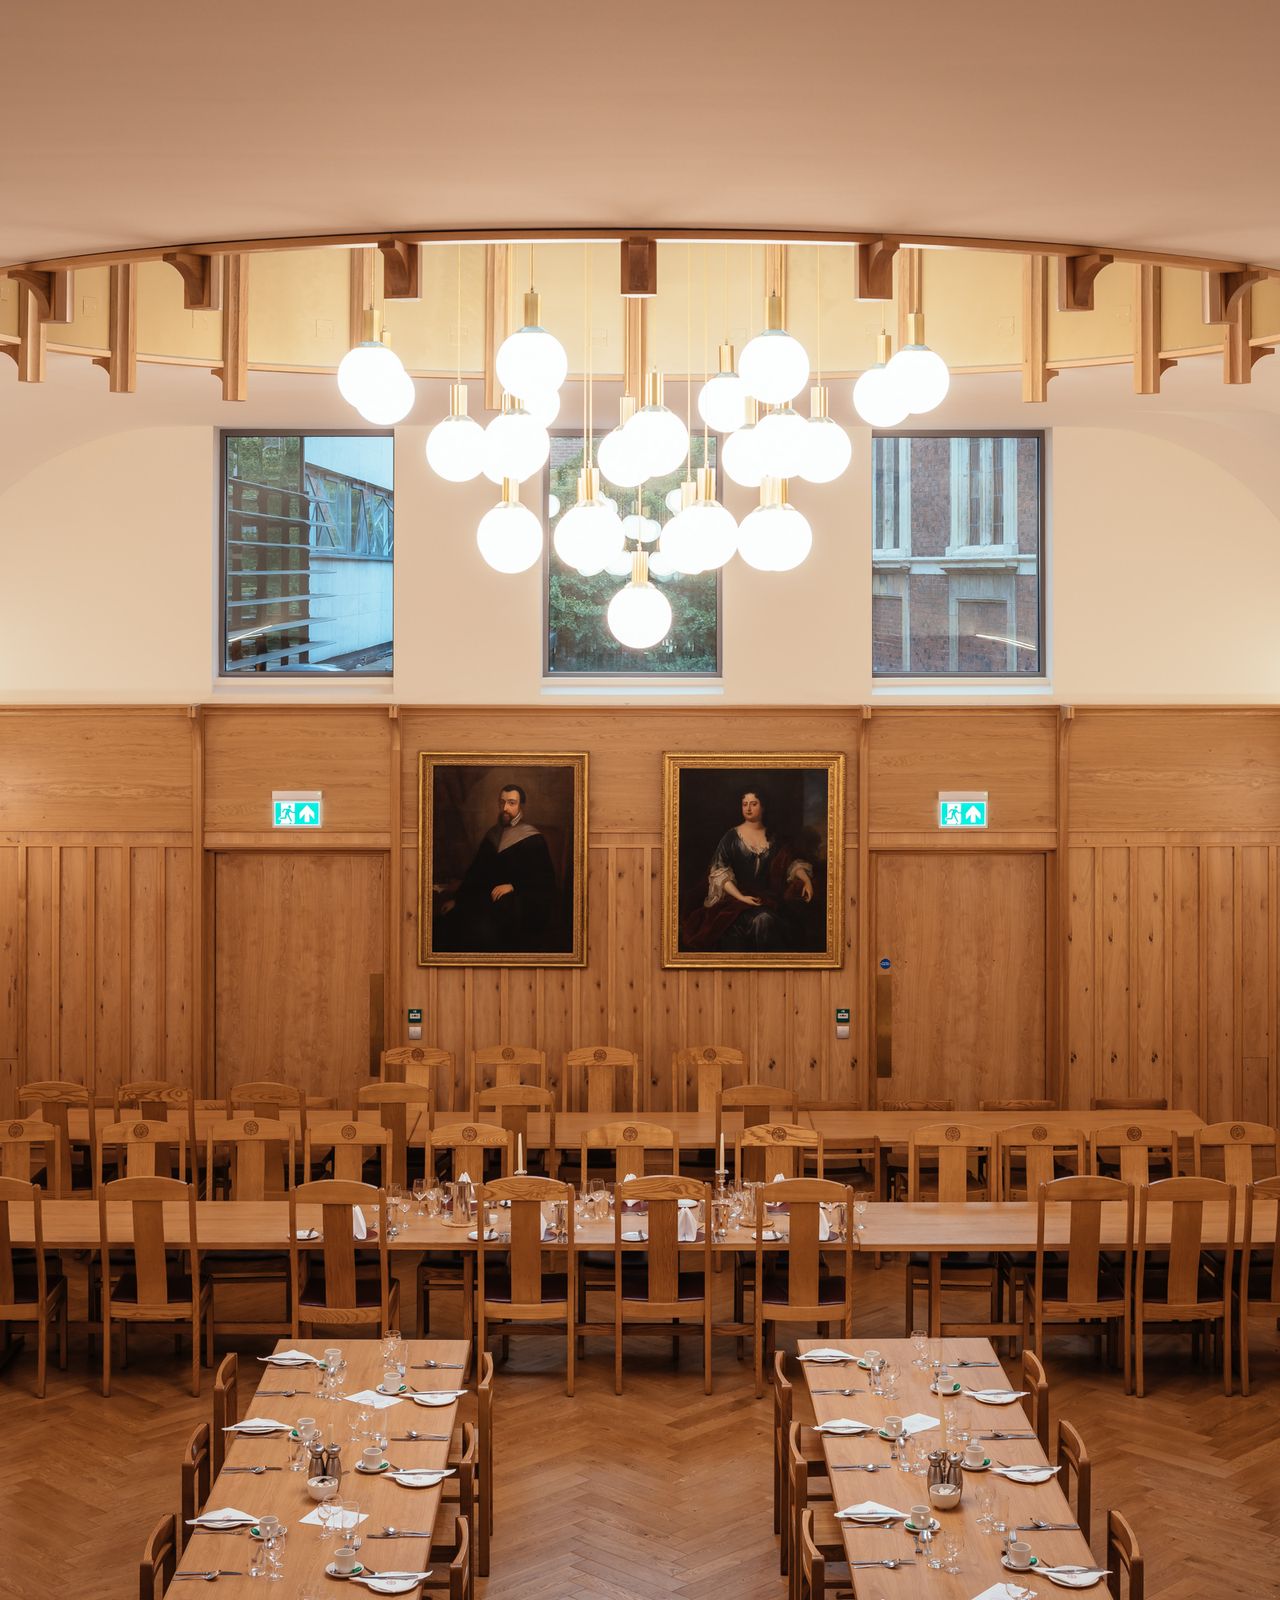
392, 1585
332, 1570
633, 1236
372, 1471
1009, 1566
771, 1236
931, 1526
1026, 1474
389, 1392
307, 1235
985, 1467
1074, 1580
880, 1516
952, 1389
995, 1397
490, 1234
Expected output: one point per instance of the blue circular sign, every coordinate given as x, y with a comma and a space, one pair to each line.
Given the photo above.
884, 963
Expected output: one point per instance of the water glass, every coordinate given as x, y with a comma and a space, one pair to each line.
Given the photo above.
889, 1381
719, 1221
952, 1551
560, 1220
349, 1511
920, 1340
329, 1512
860, 1203
435, 1201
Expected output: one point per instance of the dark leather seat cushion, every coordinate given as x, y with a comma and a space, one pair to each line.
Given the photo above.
368, 1289
635, 1285
497, 1283
830, 1288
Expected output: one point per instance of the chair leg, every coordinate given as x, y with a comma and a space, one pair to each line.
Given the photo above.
62, 1334
1138, 1374
570, 1353
42, 1351
195, 1348
106, 1351
1242, 1314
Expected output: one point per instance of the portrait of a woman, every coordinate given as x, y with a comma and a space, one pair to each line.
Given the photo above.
758, 889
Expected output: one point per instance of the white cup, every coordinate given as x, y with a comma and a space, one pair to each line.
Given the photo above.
1019, 1555
371, 1458
345, 1559
974, 1455
921, 1516
391, 1380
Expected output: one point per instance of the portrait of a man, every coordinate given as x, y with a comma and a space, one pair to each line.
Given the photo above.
502, 860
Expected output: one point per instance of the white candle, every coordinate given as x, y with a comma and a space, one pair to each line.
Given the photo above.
721, 1166
519, 1152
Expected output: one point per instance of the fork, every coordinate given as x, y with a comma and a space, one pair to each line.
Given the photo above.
413, 1437
889, 1561
207, 1577
447, 1366
860, 1466
1006, 1436
1040, 1526
401, 1533
839, 1391
975, 1363
287, 1393
257, 1471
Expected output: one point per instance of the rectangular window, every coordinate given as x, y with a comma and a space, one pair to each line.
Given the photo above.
307, 553
957, 555
577, 635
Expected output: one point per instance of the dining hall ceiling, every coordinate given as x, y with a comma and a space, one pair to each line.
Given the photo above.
1137, 125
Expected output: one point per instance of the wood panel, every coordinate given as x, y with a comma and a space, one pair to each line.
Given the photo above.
95, 769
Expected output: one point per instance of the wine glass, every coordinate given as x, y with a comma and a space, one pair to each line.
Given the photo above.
860, 1202
420, 1187
920, 1340
952, 1550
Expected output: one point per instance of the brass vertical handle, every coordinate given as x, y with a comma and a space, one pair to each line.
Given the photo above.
377, 1020
884, 1024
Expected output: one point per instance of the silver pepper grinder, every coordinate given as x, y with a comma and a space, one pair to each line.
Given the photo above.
333, 1460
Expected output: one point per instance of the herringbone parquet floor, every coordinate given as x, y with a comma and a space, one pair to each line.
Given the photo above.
660, 1492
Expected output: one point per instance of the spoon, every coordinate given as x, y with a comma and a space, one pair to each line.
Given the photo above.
400, 1533
840, 1391
257, 1471
427, 1366
207, 1577
890, 1561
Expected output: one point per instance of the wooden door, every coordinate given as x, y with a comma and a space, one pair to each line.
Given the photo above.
964, 936
299, 961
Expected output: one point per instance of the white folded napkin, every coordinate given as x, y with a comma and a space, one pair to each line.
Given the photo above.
347, 1521
257, 1425
868, 1509
629, 1178
826, 1353
777, 1177
372, 1399
292, 1358
227, 1516
686, 1226
1074, 1577
1028, 1474
918, 1422
437, 1397
1002, 1591
359, 1227
422, 1477
463, 1177
844, 1425
997, 1397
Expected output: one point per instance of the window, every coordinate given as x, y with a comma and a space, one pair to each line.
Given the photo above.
577, 636
307, 553
956, 571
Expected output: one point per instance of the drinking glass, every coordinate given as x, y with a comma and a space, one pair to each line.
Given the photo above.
889, 1381
435, 1201
986, 1504
420, 1187
932, 1547
909, 1455
719, 1221
837, 1220
329, 1511
999, 1513
877, 1374
560, 1220
920, 1339
860, 1202
952, 1550
258, 1559
275, 1555
348, 1522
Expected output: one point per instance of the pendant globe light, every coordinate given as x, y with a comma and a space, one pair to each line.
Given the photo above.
657, 435
679, 542
589, 534
827, 449
920, 375
619, 459
639, 616
371, 377
774, 366
509, 535
779, 442
711, 531
876, 398
531, 360
739, 454
516, 445
775, 537
455, 446
722, 400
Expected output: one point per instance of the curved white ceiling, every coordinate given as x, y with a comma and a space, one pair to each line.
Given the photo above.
1140, 125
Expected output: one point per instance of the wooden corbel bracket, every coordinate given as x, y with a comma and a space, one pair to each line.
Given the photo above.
401, 269
639, 267
1227, 301
1076, 278
875, 269
54, 291
201, 279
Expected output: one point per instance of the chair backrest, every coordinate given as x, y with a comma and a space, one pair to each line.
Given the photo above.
1265, 1193
524, 1253
784, 1398
757, 1103
510, 1105
261, 1154
267, 1098
804, 1247
950, 1148
400, 1108
1184, 1281
1124, 1558
662, 1253
31, 1146
151, 1149
16, 1191
1035, 1380
469, 1141
1073, 1459
602, 1079
699, 1072
1133, 1147
505, 1063
460, 1583
423, 1064
337, 1199
1242, 1152
631, 1143
915, 1105
159, 1559
54, 1101
197, 1476
768, 1150
1128, 1102
1017, 1105
146, 1198
159, 1101
226, 1405
352, 1143
1031, 1153
1085, 1197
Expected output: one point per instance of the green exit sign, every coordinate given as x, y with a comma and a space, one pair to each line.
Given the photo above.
962, 810
301, 808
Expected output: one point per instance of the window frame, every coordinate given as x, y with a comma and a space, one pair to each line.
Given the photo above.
897, 556
330, 679
642, 674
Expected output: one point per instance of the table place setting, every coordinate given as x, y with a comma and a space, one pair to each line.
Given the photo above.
845, 1425
291, 1358
827, 1356
257, 1426
344, 1522
1024, 1474
872, 1512
997, 1397
222, 1520
433, 1397
419, 1477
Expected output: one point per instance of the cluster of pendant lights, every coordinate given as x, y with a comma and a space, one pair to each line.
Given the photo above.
767, 445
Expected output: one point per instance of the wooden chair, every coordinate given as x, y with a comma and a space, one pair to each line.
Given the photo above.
942, 1162
197, 1479
226, 1405
1259, 1283
792, 1283
791, 1408
1184, 1285
424, 1064
1128, 1103
32, 1149
257, 1158
457, 1511
405, 1111
29, 1292
1032, 1153
504, 1064
54, 1101
602, 1080
479, 1408
154, 1287
1089, 1291
456, 1581
1017, 1105
159, 1559
1124, 1558
513, 1292
468, 1142
895, 1162
340, 1291
266, 1098
782, 1151
809, 1497
655, 1289
354, 1145
1241, 1152
149, 1149
758, 1103
510, 1106
631, 1144
823, 1568
1035, 1380
1138, 1152
156, 1100
1073, 1460
699, 1072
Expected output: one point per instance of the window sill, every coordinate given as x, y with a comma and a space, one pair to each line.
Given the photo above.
632, 688
962, 689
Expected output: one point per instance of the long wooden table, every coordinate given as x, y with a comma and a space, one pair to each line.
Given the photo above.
895, 1128
980, 1563
284, 1494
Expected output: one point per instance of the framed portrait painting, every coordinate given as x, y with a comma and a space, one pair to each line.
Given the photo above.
502, 860
753, 860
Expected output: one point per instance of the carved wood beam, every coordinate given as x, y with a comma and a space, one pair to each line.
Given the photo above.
121, 365
54, 291
639, 267
1076, 277
1148, 363
1035, 329
28, 354
497, 317
234, 371
201, 279
401, 269
875, 269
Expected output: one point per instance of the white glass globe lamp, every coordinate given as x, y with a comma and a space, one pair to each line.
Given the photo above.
779, 442
619, 565
827, 449
674, 500
516, 445
639, 527
455, 446
679, 542
775, 537
919, 374
774, 366
617, 457
711, 529
722, 400
509, 535
391, 405
639, 616
543, 404
662, 566
589, 533
553, 507
875, 398
656, 433
738, 453
531, 360
371, 377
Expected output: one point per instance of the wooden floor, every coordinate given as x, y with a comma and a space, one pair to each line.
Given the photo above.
660, 1492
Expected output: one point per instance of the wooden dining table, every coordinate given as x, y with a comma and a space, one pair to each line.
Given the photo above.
382, 1501
854, 1129
979, 1562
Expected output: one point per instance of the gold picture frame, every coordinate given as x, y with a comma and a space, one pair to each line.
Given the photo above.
465, 806
797, 918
